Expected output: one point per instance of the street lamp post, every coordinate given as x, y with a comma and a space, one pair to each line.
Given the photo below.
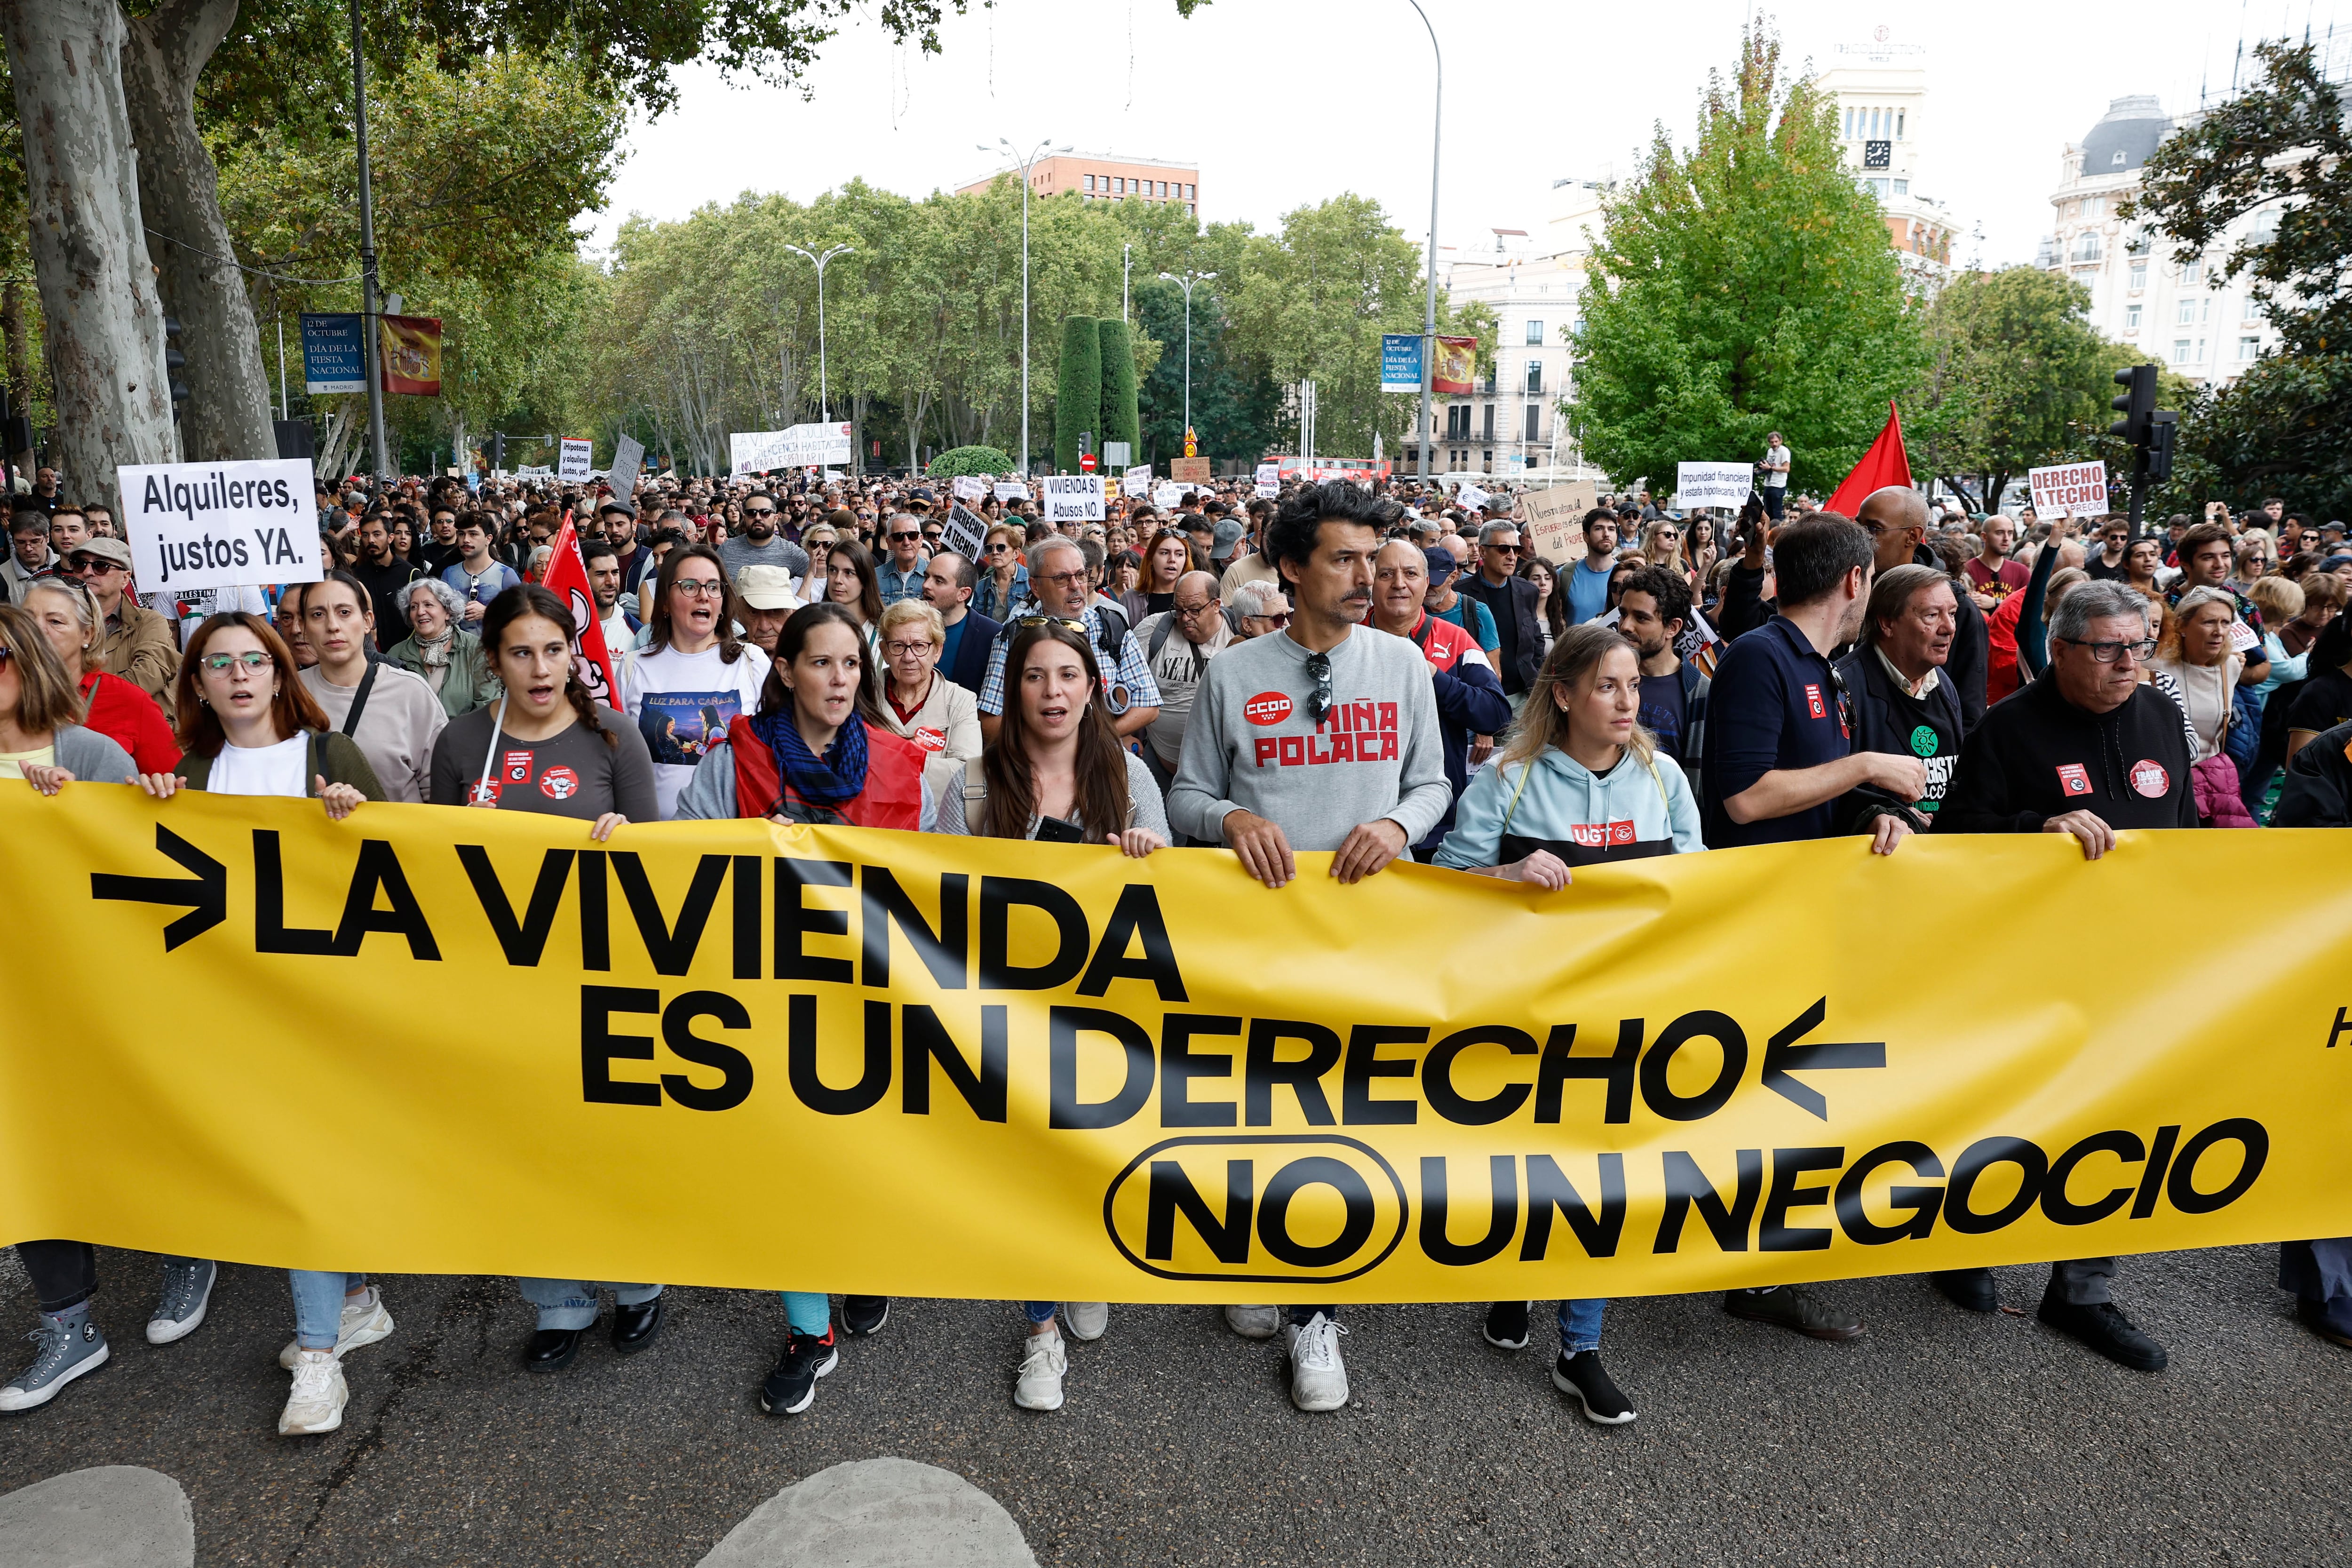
1429, 304
1188, 279
824, 401
371, 322
1026, 164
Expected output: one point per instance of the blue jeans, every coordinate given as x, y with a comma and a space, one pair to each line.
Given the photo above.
571, 1304
1039, 1311
809, 1312
318, 1305
1579, 1325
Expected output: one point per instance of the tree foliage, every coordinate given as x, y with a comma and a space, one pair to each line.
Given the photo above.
2016, 378
1078, 401
2282, 148
1121, 419
959, 461
1744, 287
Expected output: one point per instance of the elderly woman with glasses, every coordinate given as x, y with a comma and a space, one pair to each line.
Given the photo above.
446, 656
921, 705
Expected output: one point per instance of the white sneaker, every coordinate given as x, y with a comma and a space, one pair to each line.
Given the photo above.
1039, 1385
1318, 1380
1253, 1322
1088, 1320
320, 1393
364, 1321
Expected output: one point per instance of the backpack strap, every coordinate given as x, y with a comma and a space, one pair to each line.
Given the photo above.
360, 699
1160, 632
1525, 769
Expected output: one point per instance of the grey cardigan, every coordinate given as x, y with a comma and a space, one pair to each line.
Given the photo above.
92, 757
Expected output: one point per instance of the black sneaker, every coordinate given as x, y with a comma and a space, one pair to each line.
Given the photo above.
2104, 1328
864, 1315
1506, 1325
2329, 1319
1970, 1287
1583, 1376
792, 1387
1796, 1308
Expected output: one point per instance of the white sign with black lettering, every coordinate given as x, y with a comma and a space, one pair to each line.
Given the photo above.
219, 525
795, 446
1012, 489
574, 453
963, 531
2069, 489
968, 486
1138, 479
1713, 484
1073, 498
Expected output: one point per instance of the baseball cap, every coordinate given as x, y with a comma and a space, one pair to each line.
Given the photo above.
766, 588
1229, 534
1442, 565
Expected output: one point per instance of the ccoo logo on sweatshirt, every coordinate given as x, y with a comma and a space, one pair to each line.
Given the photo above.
1267, 708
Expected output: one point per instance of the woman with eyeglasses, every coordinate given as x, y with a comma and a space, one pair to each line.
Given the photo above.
1661, 545
921, 705
68, 619
1056, 771
818, 749
1579, 756
695, 676
251, 728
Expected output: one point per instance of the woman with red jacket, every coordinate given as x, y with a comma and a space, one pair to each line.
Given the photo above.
117, 709
818, 751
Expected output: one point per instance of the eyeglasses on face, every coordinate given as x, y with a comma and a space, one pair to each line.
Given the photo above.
255, 659
91, 565
904, 535
1066, 579
759, 512
699, 588
2109, 652
907, 650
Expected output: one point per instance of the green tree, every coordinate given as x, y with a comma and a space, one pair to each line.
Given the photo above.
1119, 416
2281, 150
2016, 378
1078, 390
1744, 287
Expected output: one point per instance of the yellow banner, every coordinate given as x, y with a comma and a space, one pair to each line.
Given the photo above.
427, 1040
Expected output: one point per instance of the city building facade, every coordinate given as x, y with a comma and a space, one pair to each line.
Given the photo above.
1880, 88
1106, 177
2175, 309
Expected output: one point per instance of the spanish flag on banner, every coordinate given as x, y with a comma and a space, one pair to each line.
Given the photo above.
409, 349
1450, 371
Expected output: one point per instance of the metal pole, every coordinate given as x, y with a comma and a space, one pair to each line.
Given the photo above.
1429, 305
1125, 265
1025, 165
369, 321
824, 397
1188, 353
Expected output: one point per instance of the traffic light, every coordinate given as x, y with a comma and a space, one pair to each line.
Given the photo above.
498, 452
2137, 405
2163, 424
174, 361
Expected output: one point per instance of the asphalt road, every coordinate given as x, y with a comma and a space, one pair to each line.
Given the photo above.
1941, 1439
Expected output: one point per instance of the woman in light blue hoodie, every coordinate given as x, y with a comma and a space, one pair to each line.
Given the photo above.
1580, 783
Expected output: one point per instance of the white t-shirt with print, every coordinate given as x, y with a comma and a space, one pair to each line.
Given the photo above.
683, 703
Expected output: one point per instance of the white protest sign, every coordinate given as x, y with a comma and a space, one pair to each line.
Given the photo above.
796, 447
1073, 498
968, 486
573, 455
2069, 489
1168, 495
528, 472
1713, 484
1472, 498
1269, 473
1138, 479
1012, 489
1269, 488
963, 531
219, 525
628, 459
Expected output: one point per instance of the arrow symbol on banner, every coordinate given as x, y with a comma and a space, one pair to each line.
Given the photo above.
1783, 1055
205, 898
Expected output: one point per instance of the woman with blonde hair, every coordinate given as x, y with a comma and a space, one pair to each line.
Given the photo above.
918, 703
1579, 783
1661, 545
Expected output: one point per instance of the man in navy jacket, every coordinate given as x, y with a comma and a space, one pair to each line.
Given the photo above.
948, 584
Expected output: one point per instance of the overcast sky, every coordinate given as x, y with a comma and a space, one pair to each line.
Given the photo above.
1282, 102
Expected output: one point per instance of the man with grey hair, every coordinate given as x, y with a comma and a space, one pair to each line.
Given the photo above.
899, 572
1059, 591
2087, 751
1895, 518
1257, 609
1511, 600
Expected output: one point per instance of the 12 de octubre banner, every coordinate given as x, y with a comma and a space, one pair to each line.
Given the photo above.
737, 1054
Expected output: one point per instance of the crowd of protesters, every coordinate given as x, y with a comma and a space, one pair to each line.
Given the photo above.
813, 651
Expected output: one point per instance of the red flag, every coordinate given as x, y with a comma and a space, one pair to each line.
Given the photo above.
567, 579
1885, 464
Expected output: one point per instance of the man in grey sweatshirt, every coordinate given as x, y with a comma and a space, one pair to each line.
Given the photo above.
1322, 737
